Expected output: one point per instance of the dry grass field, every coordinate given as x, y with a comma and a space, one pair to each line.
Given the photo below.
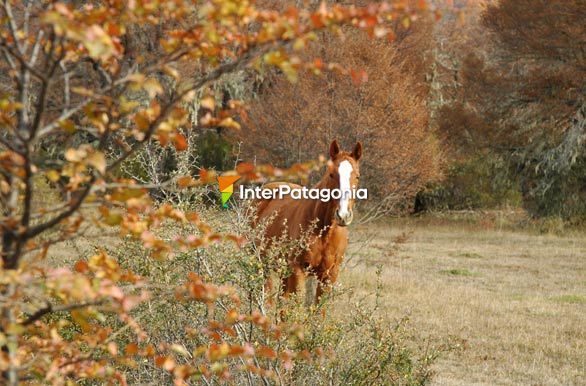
513, 302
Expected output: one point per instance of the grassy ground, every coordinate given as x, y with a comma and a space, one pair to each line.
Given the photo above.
514, 301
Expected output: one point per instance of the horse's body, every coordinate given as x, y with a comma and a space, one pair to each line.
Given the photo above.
324, 222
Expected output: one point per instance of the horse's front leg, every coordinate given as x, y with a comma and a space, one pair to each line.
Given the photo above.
294, 281
325, 280
333, 254
319, 291
268, 290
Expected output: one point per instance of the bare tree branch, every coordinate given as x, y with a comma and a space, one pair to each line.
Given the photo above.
66, 90
49, 308
23, 62
12, 25
47, 129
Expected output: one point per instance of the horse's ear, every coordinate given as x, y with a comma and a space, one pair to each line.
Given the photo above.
334, 149
357, 152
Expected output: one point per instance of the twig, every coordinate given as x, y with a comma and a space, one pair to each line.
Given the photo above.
25, 24
69, 112
20, 59
12, 25
50, 308
66, 91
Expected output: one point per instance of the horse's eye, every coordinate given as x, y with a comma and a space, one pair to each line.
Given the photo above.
331, 175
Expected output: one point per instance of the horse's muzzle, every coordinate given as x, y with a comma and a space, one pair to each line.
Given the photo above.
344, 220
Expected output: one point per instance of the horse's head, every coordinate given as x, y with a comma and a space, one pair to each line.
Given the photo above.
344, 174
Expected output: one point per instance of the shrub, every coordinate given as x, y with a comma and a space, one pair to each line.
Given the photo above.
481, 182
72, 67
319, 346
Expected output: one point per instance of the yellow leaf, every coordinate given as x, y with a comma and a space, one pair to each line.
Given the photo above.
229, 123
274, 58
152, 87
53, 175
75, 155
15, 329
208, 102
98, 161
126, 194
299, 44
171, 72
179, 349
127, 106
113, 219
137, 77
97, 41
67, 125
83, 91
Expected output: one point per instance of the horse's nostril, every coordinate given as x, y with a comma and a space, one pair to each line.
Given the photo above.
350, 217
344, 220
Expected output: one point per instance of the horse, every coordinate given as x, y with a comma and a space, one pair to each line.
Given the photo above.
325, 224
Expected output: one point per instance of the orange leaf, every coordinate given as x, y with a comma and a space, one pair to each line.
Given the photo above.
149, 351
358, 77
180, 142
131, 349
186, 182
266, 352
81, 266
165, 362
244, 168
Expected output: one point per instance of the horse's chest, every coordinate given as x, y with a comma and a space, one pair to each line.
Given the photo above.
328, 251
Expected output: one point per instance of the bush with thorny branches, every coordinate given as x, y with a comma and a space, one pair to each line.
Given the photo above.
102, 79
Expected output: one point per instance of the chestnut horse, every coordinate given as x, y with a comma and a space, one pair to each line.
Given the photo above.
325, 223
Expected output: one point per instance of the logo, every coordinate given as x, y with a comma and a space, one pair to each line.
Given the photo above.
226, 184
302, 193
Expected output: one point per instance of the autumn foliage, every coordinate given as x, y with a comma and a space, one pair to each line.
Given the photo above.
105, 111
513, 88
382, 104
85, 87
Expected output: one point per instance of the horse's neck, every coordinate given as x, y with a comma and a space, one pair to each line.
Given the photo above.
322, 211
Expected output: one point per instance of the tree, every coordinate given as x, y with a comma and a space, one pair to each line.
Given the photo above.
522, 96
107, 78
383, 104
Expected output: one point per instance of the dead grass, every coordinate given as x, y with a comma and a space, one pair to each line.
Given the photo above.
515, 301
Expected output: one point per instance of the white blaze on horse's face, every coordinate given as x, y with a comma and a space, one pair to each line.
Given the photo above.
344, 171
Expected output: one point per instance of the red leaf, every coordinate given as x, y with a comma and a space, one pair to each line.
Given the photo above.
244, 168
358, 77
186, 182
180, 142
131, 349
81, 266
266, 352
